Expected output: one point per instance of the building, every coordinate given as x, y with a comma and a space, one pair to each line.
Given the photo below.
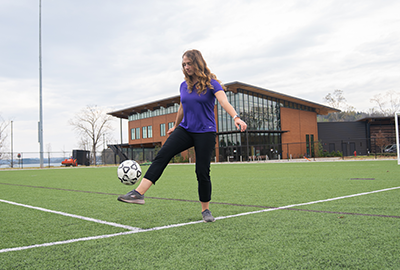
279, 126
365, 136
345, 137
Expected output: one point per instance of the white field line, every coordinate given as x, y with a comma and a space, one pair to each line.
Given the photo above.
72, 215
133, 230
308, 203
66, 241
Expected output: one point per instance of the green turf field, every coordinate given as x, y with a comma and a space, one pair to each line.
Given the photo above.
69, 218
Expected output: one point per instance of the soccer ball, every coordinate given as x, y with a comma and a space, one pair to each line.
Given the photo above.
129, 172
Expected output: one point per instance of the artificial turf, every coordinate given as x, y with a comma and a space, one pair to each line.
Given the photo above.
360, 232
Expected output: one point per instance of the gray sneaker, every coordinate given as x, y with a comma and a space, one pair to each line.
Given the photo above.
132, 197
207, 216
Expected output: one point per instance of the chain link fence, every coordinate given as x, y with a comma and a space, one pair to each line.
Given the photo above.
32, 159
373, 147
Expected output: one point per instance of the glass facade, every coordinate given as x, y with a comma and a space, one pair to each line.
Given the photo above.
263, 136
258, 111
261, 114
262, 139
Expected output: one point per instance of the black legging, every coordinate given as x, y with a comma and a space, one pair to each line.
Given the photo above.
179, 141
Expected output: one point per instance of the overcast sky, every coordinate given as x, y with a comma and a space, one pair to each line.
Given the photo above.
117, 54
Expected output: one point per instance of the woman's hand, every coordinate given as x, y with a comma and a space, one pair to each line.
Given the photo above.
240, 124
170, 130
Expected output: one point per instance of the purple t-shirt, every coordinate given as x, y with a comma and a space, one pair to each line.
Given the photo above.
198, 111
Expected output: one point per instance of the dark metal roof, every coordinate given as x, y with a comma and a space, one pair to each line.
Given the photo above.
233, 86
320, 109
378, 120
167, 102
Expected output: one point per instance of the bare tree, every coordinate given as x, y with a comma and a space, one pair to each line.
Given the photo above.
84, 143
92, 123
387, 104
3, 135
336, 99
381, 141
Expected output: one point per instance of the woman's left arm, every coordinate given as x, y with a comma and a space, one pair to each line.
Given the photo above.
223, 100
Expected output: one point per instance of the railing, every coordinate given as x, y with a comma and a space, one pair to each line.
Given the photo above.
239, 153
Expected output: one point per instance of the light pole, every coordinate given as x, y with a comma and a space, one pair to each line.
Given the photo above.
40, 127
12, 148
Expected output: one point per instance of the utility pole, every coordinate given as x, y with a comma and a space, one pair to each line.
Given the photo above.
40, 127
12, 146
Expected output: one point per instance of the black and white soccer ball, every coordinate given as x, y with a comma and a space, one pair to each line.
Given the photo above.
129, 172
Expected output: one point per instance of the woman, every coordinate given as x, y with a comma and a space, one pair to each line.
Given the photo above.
194, 126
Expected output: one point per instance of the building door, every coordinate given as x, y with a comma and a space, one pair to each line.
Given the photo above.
344, 149
310, 145
352, 148
331, 147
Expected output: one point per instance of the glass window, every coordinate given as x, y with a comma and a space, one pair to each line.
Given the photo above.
278, 115
258, 115
246, 105
137, 133
271, 114
170, 125
176, 107
265, 114
226, 120
144, 132
219, 115
133, 137
159, 111
149, 132
162, 130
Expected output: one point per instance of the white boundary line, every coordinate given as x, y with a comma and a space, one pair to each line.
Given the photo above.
66, 241
133, 230
308, 203
72, 215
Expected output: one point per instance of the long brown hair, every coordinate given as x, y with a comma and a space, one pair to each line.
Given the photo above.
202, 72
